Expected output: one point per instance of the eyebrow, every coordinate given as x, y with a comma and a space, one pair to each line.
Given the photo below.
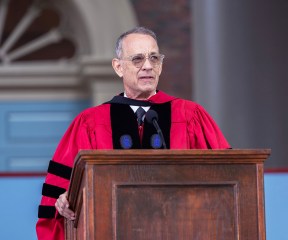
144, 53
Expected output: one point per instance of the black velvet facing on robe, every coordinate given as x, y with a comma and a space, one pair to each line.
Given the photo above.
123, 122
164, 121
59, 170
128, 101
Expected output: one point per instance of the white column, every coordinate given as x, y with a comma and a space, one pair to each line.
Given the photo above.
102, 81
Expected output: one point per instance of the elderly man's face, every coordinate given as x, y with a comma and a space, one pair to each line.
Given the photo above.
139, 82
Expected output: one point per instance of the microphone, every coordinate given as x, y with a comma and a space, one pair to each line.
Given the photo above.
152, 118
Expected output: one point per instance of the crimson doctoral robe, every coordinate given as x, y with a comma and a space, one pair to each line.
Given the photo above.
185, 125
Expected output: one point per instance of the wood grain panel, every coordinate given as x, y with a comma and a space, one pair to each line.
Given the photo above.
170, 211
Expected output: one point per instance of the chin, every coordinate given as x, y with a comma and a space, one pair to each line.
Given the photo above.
148, 87
148, 91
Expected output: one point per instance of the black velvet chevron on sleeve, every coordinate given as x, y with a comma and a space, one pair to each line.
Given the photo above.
59, 170
46, 211
52, 191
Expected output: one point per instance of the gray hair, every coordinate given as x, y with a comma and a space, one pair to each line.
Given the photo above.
140, 30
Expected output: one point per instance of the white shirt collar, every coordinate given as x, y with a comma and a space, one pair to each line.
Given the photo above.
134, 108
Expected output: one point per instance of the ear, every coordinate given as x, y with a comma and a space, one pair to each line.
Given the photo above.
117, 67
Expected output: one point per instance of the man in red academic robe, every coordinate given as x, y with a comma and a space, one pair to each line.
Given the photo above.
113, 125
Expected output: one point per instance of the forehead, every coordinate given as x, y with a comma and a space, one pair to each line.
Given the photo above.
139, 43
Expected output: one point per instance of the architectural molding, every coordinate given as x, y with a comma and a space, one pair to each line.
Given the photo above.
93, 25
39, 75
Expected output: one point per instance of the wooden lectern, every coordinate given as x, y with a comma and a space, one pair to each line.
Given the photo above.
168, 194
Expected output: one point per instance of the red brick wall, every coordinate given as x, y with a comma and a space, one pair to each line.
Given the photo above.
171, 21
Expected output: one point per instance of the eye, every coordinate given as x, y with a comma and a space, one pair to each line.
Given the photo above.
155, 58
137, 59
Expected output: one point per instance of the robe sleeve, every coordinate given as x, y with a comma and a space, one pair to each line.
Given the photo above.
50, 224
204, 132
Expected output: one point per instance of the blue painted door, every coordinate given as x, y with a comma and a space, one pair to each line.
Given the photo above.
30, 132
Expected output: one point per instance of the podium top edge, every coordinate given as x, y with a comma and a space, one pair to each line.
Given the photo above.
176, 151
141, 154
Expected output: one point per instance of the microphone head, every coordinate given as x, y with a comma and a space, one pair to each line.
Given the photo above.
151, 115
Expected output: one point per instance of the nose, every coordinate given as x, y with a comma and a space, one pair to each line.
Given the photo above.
147, 65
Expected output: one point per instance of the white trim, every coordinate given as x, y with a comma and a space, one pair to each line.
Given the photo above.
39, 75
42, 95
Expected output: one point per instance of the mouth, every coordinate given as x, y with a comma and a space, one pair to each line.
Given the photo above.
146, 78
